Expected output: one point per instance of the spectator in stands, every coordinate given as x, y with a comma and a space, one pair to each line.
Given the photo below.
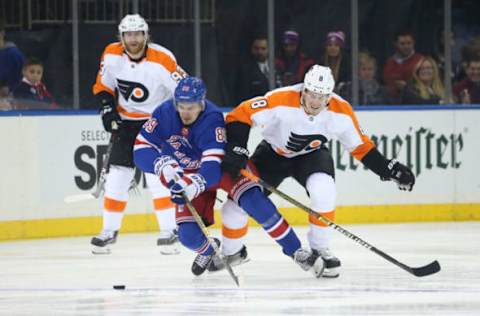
467, 91
371, 92
11, 63
334, 58
32, 93
252, 77
426, 86
398, 68
291, 63
439, 57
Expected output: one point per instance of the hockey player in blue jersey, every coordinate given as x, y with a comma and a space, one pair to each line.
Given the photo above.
183, 143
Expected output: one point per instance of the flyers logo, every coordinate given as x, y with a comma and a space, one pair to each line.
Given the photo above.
134, 91
298, 142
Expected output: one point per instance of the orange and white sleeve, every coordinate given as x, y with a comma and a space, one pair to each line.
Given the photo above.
105, 81
245, 111
352, 136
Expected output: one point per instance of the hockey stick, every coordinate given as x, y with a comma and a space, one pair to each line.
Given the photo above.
101, 181
428, 269
204, 229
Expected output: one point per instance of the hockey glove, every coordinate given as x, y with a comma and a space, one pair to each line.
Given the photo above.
110, 117
235, 159
191, 184
401, 174
168, 170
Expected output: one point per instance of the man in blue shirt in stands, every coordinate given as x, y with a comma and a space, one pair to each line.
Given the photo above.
11, 64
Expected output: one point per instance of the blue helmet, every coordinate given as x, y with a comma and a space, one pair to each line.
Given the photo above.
190, 89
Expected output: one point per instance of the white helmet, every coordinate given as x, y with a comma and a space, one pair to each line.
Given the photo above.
319, 79
132, 23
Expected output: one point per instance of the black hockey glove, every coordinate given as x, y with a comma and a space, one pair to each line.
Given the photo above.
401, 174
235, 159
110, 118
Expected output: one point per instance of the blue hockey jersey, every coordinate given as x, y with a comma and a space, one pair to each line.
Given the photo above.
197, 148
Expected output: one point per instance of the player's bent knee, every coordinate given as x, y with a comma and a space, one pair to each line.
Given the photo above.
322, 191
257, 205
189, 235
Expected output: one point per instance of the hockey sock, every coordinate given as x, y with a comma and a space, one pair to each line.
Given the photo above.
192, 237
258, 206
165, 213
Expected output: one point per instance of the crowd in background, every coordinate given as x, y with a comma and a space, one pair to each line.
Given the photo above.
21, 86
406, 77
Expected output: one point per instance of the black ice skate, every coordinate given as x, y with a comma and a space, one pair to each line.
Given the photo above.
234, 260
201, 262
168, 243
309, 261
332, 263
102, 241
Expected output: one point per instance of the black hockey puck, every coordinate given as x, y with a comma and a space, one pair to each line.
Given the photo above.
119, 287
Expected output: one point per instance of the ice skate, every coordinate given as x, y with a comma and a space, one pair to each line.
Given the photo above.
236, 259
201, 262
100, 243
168, 243
309, 261
332, 263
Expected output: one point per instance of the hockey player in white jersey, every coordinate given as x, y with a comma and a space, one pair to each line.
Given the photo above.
135, 76
298, 122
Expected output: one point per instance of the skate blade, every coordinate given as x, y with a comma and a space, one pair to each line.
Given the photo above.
318, 267
101, 250
232, 264
169, 250
331, 273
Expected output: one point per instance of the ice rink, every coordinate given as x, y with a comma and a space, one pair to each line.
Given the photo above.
62, 277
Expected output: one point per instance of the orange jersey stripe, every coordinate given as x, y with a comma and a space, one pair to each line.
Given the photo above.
234, 233
281, 97
330, 215
113, 49
112, 205
340, 106
161, 58
133, 115
99, 86
163, 203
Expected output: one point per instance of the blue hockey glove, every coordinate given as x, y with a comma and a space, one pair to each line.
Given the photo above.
191, 184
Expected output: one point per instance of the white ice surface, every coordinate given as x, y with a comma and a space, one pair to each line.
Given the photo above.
62, 277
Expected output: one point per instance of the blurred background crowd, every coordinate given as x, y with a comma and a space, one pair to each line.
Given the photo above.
50, 49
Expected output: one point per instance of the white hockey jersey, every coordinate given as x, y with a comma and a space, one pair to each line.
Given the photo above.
292, 132
141, 86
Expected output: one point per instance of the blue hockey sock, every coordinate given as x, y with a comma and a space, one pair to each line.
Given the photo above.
258, 206
192, 237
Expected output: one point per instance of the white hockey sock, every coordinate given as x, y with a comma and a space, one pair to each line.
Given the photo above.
166, 219
112, 220
235, 227
319, 237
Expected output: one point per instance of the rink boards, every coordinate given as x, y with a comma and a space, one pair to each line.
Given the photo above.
46, 157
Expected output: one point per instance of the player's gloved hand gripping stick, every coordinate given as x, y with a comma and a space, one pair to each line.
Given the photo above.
428, 269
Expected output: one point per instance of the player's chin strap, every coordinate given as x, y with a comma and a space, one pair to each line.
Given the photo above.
431, 268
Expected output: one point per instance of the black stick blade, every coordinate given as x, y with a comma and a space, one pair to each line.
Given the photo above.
429, 269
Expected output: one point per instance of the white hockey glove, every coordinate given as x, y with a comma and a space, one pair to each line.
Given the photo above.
191, 184
168, 170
